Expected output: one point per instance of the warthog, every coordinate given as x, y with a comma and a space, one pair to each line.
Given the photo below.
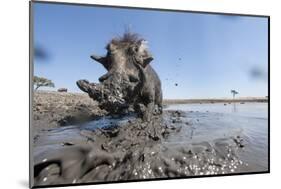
130, 83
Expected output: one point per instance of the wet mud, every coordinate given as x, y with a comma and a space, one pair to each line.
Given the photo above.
113, 148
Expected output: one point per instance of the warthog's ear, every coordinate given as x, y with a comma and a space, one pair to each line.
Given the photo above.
147, 59
142, 54
102, 60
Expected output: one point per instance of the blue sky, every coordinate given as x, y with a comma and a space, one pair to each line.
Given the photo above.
206, 55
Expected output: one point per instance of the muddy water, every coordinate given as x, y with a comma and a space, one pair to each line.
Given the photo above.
191, 139
218, 121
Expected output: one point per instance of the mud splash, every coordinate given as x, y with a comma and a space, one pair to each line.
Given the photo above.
114, 149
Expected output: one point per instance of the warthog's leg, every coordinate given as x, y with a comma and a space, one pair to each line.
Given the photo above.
149, 111
145, 111
95, 91
84, 85
157, 110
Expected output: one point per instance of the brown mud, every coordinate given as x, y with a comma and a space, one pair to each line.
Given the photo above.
55, 109
112, 148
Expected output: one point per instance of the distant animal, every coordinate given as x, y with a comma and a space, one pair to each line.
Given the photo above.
62, 90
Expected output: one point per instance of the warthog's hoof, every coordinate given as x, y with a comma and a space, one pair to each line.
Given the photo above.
84, 85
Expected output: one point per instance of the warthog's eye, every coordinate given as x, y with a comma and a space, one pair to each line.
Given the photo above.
133, 78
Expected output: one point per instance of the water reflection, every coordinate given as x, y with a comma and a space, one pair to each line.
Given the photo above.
234, 108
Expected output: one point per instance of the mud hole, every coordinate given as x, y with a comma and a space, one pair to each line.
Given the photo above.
126, 148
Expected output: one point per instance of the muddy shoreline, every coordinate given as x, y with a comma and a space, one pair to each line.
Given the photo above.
56, 109
80, 150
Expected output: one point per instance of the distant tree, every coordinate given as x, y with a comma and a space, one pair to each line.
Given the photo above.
233, 92
42, 82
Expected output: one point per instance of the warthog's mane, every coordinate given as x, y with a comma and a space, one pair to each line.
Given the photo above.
127, 39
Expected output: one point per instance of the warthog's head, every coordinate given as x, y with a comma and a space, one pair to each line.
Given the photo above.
124, 61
